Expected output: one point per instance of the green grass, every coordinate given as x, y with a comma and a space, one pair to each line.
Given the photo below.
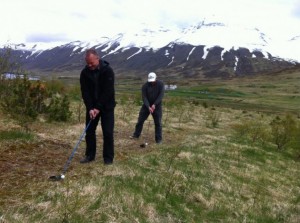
15, 134
281, 93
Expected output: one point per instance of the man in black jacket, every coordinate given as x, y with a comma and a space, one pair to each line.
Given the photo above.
152, 94
98, 93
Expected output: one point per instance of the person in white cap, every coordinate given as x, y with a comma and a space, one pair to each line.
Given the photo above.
152, 95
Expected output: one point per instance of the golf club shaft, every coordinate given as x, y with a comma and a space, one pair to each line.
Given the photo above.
147, 133
75, 148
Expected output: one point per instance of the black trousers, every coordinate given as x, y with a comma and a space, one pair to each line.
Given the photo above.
157, 117
107, 125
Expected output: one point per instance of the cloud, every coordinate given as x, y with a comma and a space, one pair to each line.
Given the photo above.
86, 20
296, 9
78, 15
46, 37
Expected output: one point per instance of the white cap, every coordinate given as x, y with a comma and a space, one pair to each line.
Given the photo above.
151, 77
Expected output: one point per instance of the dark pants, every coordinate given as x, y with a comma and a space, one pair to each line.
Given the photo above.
107, 125
157, 117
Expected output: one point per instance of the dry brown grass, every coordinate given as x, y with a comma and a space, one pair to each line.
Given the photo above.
26, 163
197, 163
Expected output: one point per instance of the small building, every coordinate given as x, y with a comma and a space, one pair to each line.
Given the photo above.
170, 87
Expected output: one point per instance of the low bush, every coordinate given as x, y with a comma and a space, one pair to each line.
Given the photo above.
254, 130
59, 108
283, 131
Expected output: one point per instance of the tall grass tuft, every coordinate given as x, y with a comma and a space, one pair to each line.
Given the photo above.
15, 134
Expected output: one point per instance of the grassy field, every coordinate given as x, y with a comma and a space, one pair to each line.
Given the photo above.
203, 172
275, 93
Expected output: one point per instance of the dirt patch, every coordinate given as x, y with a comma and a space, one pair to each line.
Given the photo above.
23, 164
26, 166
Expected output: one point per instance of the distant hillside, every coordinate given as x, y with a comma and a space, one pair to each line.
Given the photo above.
177, 59
206, 50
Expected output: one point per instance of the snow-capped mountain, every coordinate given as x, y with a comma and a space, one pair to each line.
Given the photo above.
210, 49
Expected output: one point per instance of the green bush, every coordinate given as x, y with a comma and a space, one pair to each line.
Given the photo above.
283, 131
212, 118
254, 130
74, 93
22, 99
59, 108
55, 86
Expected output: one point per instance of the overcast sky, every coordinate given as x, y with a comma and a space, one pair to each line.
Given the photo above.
24, 21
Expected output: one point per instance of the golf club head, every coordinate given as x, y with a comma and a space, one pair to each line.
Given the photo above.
57, 177
143, 145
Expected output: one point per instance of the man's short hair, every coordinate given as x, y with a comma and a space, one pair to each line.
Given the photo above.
91, 51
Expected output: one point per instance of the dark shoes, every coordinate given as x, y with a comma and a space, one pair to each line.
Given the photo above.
159, 142
86, 160
108, 163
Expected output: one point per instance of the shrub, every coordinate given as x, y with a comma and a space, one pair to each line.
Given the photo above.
55, 86
212, 118
283, 131
255, 130
74, 92
204, 104
22, 100
59, 108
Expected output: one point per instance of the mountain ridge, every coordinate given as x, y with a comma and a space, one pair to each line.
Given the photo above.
209, 49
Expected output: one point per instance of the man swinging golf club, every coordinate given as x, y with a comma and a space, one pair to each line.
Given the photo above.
152, 95
98, 93
97, 88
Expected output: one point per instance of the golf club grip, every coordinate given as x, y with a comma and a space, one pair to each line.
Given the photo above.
75, 148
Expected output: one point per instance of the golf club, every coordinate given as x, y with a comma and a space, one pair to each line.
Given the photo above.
145, 144
67, 164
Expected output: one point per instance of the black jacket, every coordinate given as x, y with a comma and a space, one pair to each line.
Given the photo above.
97, 87
153, 93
